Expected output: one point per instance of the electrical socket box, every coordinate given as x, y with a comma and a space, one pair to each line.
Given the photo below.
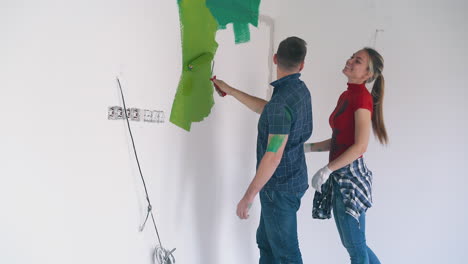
114, 112
135, 114
155, 117
161, 117
148, 116
158, 116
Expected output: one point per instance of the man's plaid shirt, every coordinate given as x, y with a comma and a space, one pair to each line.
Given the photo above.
289, 112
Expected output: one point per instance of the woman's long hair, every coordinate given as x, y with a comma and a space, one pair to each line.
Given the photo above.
376, 64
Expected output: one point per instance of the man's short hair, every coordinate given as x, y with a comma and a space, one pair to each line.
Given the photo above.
291, 53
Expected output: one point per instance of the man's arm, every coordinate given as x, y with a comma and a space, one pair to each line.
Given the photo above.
253, 103
268, 165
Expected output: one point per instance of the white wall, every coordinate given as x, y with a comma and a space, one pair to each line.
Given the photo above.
419, 211
70, 190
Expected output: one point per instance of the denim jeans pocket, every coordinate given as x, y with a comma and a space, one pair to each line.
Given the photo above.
269, 195
290, 200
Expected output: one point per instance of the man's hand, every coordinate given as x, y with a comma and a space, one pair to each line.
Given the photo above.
224, 87
243, 208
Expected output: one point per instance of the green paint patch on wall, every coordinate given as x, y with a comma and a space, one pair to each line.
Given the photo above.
239, 12
199, 21
194, 97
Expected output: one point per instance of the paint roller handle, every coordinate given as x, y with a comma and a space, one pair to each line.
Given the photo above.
220, 92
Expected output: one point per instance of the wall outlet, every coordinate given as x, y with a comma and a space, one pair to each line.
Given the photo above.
114, 112
135, 114
155, 116
158, 116
161, 117
148, 116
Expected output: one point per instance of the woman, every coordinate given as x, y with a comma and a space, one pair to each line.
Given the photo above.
348, 191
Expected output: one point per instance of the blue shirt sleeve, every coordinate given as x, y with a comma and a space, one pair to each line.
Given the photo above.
279, 119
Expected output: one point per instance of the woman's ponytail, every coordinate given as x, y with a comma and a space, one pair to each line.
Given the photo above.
378, 91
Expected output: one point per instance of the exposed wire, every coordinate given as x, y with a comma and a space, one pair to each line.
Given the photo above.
376, 34
161, 255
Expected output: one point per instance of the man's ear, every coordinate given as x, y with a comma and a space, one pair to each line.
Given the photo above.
275, 59
301, 66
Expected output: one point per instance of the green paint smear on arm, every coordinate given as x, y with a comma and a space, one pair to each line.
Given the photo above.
239, 12
275, 143
194, 97
288, 114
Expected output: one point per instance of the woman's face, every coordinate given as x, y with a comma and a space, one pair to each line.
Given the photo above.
356, 68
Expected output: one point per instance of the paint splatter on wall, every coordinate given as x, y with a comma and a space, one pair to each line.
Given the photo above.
240, 13
194, 96
200, 19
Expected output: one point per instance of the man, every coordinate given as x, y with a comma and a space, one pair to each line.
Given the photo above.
285, 125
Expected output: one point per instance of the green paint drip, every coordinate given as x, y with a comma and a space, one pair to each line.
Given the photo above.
194, 97
275, 143
239, 12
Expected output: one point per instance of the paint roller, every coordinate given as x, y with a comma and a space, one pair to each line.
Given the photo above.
201, 60
194, 66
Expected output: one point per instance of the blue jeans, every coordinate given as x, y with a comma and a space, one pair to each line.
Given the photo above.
352, 232
277, 231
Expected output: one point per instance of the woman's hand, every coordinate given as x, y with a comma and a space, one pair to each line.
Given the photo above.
320, 177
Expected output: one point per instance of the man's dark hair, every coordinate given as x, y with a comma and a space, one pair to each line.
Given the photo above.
291, 52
